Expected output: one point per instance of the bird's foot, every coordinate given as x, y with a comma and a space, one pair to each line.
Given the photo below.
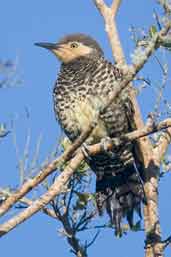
109, 145
86, 152
105, 144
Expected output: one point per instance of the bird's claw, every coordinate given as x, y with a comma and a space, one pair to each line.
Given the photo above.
110, 144
85, 151
104, 143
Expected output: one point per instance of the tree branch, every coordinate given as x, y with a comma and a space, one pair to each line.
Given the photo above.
44, 172
115, 7
57, 187
110, 26
151, 218
165, 5
162, 145
60, 183
151, 163
28, 202
27, 186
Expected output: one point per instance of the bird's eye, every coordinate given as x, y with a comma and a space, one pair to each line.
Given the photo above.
74, 45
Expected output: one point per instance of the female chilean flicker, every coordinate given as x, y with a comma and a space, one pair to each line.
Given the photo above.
83, 85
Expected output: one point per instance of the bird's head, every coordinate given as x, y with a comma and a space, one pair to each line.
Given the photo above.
74, 46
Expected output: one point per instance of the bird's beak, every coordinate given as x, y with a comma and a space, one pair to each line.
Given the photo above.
61, 51
49, 46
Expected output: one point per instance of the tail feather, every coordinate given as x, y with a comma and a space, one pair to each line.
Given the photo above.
120, 197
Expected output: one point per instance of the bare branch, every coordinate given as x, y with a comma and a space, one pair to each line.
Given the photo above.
162, 145
101, 6
44, 172
151, 218
145, 146
61, 181
111, 29
148, 129
115, 7
27, 186
135, 68
93, 240
28, 202
54, 190
166, 242
165, 5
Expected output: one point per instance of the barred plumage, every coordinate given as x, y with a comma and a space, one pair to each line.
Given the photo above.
84, 84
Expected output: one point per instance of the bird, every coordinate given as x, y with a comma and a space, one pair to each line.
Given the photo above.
84, 84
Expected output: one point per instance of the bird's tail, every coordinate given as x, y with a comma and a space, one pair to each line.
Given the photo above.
120, 195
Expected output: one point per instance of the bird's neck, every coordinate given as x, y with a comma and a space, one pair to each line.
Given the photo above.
78, 69
81, 63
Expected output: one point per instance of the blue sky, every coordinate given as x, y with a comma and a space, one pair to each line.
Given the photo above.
22, 24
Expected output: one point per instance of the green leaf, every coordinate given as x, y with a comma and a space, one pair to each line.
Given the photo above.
65, 143
83, 199
152, 31
83, 167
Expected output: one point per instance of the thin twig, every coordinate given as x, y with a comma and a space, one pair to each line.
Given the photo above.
53, 191
6, 193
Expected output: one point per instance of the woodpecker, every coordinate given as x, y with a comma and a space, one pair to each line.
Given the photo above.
85, 82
